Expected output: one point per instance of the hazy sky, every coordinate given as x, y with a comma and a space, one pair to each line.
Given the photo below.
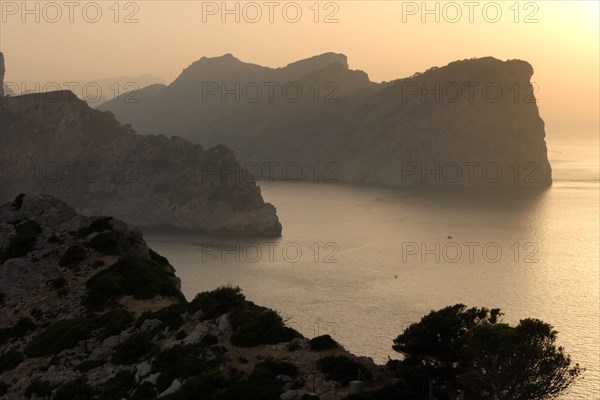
386, 39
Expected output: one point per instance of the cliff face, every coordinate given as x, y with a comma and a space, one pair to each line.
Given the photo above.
53, 143
87, 310
470, 122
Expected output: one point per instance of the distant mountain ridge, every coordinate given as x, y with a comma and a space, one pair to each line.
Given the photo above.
54, 143
472, 122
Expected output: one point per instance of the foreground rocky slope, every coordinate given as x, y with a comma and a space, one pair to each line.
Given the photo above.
87, 310
471, 122
54, 143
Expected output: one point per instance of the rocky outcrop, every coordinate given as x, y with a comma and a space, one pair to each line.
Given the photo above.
472, 122
54, 143
87, 310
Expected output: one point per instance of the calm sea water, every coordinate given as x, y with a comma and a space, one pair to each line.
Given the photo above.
360, 262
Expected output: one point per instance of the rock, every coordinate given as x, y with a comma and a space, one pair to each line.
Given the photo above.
142, 370
92, 162
150, 324
392, 132
152, 378
223, 324
175, 386
356, 387
197, 333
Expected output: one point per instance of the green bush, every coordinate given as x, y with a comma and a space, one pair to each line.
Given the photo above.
157, 258
74, 390
170, 316
277, 367
60, 336
208, 383
100, 225
38, 387
342, 369
119, 386
10, 359
323, 342
177, 362
88, 365
19, 245
73, 256
106, 243
254, 325
132, 349
19, 330
143, 279
3, 388
58, 283
114, 322
218, 301
208, 340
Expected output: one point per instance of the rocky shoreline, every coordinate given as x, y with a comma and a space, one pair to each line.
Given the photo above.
88, 309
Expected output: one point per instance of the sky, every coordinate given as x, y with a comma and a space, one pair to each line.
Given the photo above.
65, 41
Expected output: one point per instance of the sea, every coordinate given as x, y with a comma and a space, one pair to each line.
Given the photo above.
362, 263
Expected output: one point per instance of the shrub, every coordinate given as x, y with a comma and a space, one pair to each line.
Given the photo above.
63, 292
342, 369
18, 201
100, 225
3, 388
255, 325
60, 336
19, 330
74, 390
217, 302
19, 245
181, 334
177, 362
209, 382
323, 342
157, 258
208, 340
73, 255
132, 349
88, 365
38, 387
114, 322
170, 316
277, 367
141, 278
10, 359
119, 386
106, 243
58, 283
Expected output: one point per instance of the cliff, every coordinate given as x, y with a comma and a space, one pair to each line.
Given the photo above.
54, 143
472, 122
87, 310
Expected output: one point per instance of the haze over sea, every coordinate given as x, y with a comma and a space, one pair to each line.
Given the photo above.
368, 263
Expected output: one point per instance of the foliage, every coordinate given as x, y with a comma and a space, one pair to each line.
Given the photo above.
157, 258
468, 349
106, 243
277, 367
73, 255
28, 227
170, 316
74, 390
18, 330
141, 278
10, 359
114, 322
39, 388
19, 245
218, 301
254, 325
342, 369
119, 386
132, 349
323, 342
62, 335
